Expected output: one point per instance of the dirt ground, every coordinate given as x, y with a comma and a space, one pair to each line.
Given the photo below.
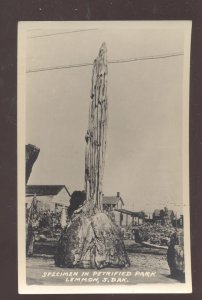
145, 268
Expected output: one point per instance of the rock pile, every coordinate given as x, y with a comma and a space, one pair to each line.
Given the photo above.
156, 234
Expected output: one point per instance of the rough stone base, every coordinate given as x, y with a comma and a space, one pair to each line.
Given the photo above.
91, 241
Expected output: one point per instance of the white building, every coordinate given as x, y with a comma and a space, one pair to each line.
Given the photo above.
112, 202
49, 197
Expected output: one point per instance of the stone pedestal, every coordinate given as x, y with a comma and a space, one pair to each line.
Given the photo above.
92, 240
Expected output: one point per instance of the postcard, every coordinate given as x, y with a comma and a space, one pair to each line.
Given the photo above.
103, 157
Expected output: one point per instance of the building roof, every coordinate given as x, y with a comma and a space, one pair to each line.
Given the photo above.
112, 200
44, 190
139, 214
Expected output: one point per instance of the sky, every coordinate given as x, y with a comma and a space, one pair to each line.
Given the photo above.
144, 138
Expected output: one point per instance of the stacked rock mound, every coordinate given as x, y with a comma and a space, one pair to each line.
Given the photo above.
91, 240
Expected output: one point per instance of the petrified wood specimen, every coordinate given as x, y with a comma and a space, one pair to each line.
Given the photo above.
92, 239
175, 256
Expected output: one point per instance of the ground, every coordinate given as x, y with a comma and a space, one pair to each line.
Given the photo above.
145, 268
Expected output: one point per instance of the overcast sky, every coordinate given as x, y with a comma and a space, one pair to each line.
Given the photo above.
144, 149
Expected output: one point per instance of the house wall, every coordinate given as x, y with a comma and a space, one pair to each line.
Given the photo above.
44, 202
62, 198
135, 220
119, 204
117, 216
140, 221
127, 220
124, 220
52, 203
109, 207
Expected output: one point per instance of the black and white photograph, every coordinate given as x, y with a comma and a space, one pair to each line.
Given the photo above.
103, 157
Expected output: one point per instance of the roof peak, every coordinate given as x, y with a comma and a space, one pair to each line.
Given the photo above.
45, 189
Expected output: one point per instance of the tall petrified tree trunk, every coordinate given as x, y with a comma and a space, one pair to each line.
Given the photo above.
97, 127
92, 239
